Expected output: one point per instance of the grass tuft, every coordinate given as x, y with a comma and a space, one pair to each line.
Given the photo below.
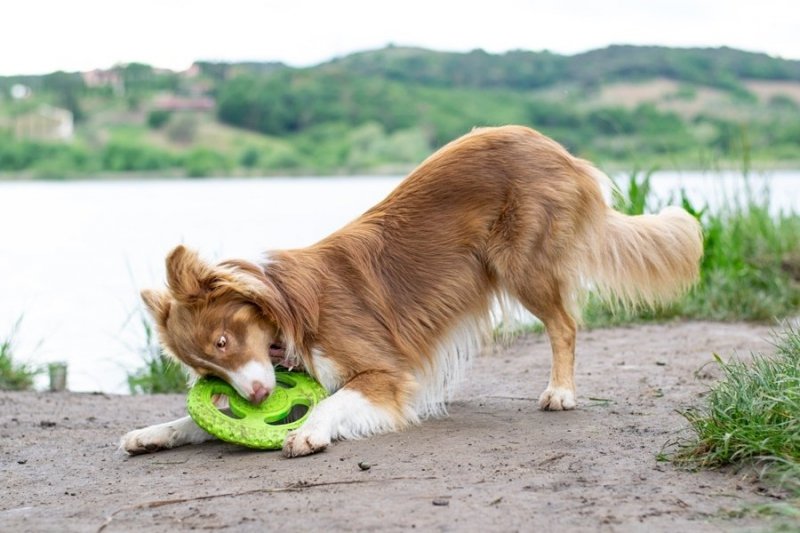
637, 195
752, 415
14, 375
160, 374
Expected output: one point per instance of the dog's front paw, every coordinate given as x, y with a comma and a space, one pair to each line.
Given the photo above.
305, 442
162, 436
557, 399
147, 440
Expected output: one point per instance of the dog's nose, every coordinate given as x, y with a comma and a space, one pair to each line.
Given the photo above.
259, 393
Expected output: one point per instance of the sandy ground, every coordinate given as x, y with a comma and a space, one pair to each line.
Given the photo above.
496, 463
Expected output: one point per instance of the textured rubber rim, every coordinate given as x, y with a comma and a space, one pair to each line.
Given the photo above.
254, 426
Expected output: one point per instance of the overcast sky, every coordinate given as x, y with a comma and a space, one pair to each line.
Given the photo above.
39, 36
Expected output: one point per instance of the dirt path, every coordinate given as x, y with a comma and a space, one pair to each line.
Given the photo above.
496, 463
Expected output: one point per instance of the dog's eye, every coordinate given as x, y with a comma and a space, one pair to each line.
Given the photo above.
222, 342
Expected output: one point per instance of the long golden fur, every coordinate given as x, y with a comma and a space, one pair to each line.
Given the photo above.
391, 305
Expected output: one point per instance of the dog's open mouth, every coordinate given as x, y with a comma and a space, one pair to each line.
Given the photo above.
277, 351
279, 357
277, 354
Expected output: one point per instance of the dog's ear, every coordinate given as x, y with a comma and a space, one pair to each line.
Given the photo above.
260, 291
188, 276
295, 312
158, 303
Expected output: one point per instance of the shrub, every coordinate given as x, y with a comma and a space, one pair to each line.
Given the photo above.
157, 118
250, 157
202, 162
133, 156
53, 158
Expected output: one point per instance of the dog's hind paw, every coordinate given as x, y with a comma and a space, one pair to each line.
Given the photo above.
557, 399
300, 442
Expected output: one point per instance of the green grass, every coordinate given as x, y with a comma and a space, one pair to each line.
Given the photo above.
14, 375
752, 415
750, 269
159, 374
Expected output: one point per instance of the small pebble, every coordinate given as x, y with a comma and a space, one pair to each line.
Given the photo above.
364, 466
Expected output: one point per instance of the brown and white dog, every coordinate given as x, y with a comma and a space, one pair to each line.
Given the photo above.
386, 311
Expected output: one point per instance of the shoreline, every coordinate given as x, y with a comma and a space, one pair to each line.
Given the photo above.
398, 171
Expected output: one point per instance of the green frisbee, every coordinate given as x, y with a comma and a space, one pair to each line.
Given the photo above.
262, 426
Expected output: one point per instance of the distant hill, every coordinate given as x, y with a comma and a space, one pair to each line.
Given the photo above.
385, 110
529, 70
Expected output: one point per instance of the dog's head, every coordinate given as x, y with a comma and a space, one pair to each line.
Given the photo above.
220, 320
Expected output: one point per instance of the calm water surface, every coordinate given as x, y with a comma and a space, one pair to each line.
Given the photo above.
74, 255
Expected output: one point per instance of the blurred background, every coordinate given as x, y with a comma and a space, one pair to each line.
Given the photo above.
128, 128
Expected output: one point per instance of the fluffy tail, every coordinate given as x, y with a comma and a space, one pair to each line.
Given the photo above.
645, 259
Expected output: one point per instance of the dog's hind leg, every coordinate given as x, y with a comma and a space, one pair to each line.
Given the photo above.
370, 403
163, 436
560, 392
546, 301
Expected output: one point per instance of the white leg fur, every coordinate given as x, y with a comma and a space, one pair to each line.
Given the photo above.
347, 414
162, 436
325, 371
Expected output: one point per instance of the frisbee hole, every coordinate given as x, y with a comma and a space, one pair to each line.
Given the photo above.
230, 414
226, 410
297, 412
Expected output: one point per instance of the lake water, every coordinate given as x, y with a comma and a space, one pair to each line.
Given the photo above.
74, 255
